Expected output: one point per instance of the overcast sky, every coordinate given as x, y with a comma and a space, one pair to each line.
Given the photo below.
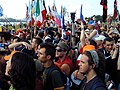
17, 8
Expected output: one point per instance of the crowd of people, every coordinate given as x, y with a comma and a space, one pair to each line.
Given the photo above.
44, 58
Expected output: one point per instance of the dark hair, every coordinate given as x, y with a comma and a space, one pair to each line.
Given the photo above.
40, 34
50, 50
23, 71
38, 40
100, 70
18, 39
109, 39
92, 42
3, 79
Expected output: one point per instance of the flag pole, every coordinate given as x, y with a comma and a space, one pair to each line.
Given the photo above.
73, 29
31, 18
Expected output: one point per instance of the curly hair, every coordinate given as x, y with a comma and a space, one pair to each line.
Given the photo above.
23, 71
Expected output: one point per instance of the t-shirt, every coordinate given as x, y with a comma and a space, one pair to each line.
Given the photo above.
66, 61
94, 84
53, 80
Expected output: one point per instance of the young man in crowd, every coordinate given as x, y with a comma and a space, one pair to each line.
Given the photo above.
51, 75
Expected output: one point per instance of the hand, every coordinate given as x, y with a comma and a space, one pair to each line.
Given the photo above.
82, 25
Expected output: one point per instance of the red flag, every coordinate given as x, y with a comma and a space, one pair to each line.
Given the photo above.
104, 4
31, 22
43, 11
115, 9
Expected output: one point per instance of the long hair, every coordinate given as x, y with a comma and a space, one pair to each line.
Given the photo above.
23, 71
100, 70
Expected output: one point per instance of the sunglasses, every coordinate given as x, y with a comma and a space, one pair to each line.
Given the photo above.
60, 50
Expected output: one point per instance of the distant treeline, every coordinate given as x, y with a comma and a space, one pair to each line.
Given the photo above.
10, 20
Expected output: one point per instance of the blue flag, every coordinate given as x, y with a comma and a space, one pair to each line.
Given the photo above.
81, 15
1, 11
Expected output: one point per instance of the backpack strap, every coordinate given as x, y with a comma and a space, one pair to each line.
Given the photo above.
50, 71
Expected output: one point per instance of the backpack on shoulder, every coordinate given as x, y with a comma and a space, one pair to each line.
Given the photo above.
66, 80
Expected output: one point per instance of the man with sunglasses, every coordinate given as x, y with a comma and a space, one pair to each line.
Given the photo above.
63, 61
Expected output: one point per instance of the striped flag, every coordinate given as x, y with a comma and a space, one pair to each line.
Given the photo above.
43, 10
56, 14
116, 12
1, 11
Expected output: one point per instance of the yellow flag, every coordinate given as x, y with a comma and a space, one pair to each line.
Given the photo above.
32, 10
0, 28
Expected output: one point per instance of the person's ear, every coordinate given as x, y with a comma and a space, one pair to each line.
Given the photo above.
49, 57
92, 66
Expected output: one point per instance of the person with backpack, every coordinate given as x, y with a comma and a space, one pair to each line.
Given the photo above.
51, 75
92, 67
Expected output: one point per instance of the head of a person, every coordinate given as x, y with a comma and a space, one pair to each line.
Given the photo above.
92, 60
61, 49
46, 52
22, 71
99, 40
91, 24
108, 44
36, 41
91, 42
16, 39
48, 31
40, 34
49, 41
21, 35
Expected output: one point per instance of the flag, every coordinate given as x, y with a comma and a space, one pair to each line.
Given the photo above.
27, 15
43, 10
104, 4
116, 12
0, 28
81, 15
1, 11
62, 16
56, 14
63, 23
50, 13
29, 11
37, 8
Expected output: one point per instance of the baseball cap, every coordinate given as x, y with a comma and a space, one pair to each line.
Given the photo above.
63, 45
100, 37
91, 22
88, 47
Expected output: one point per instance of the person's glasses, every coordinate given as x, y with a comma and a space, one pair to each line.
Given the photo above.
59, 50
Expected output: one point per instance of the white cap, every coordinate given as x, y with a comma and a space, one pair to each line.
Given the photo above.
100, 37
